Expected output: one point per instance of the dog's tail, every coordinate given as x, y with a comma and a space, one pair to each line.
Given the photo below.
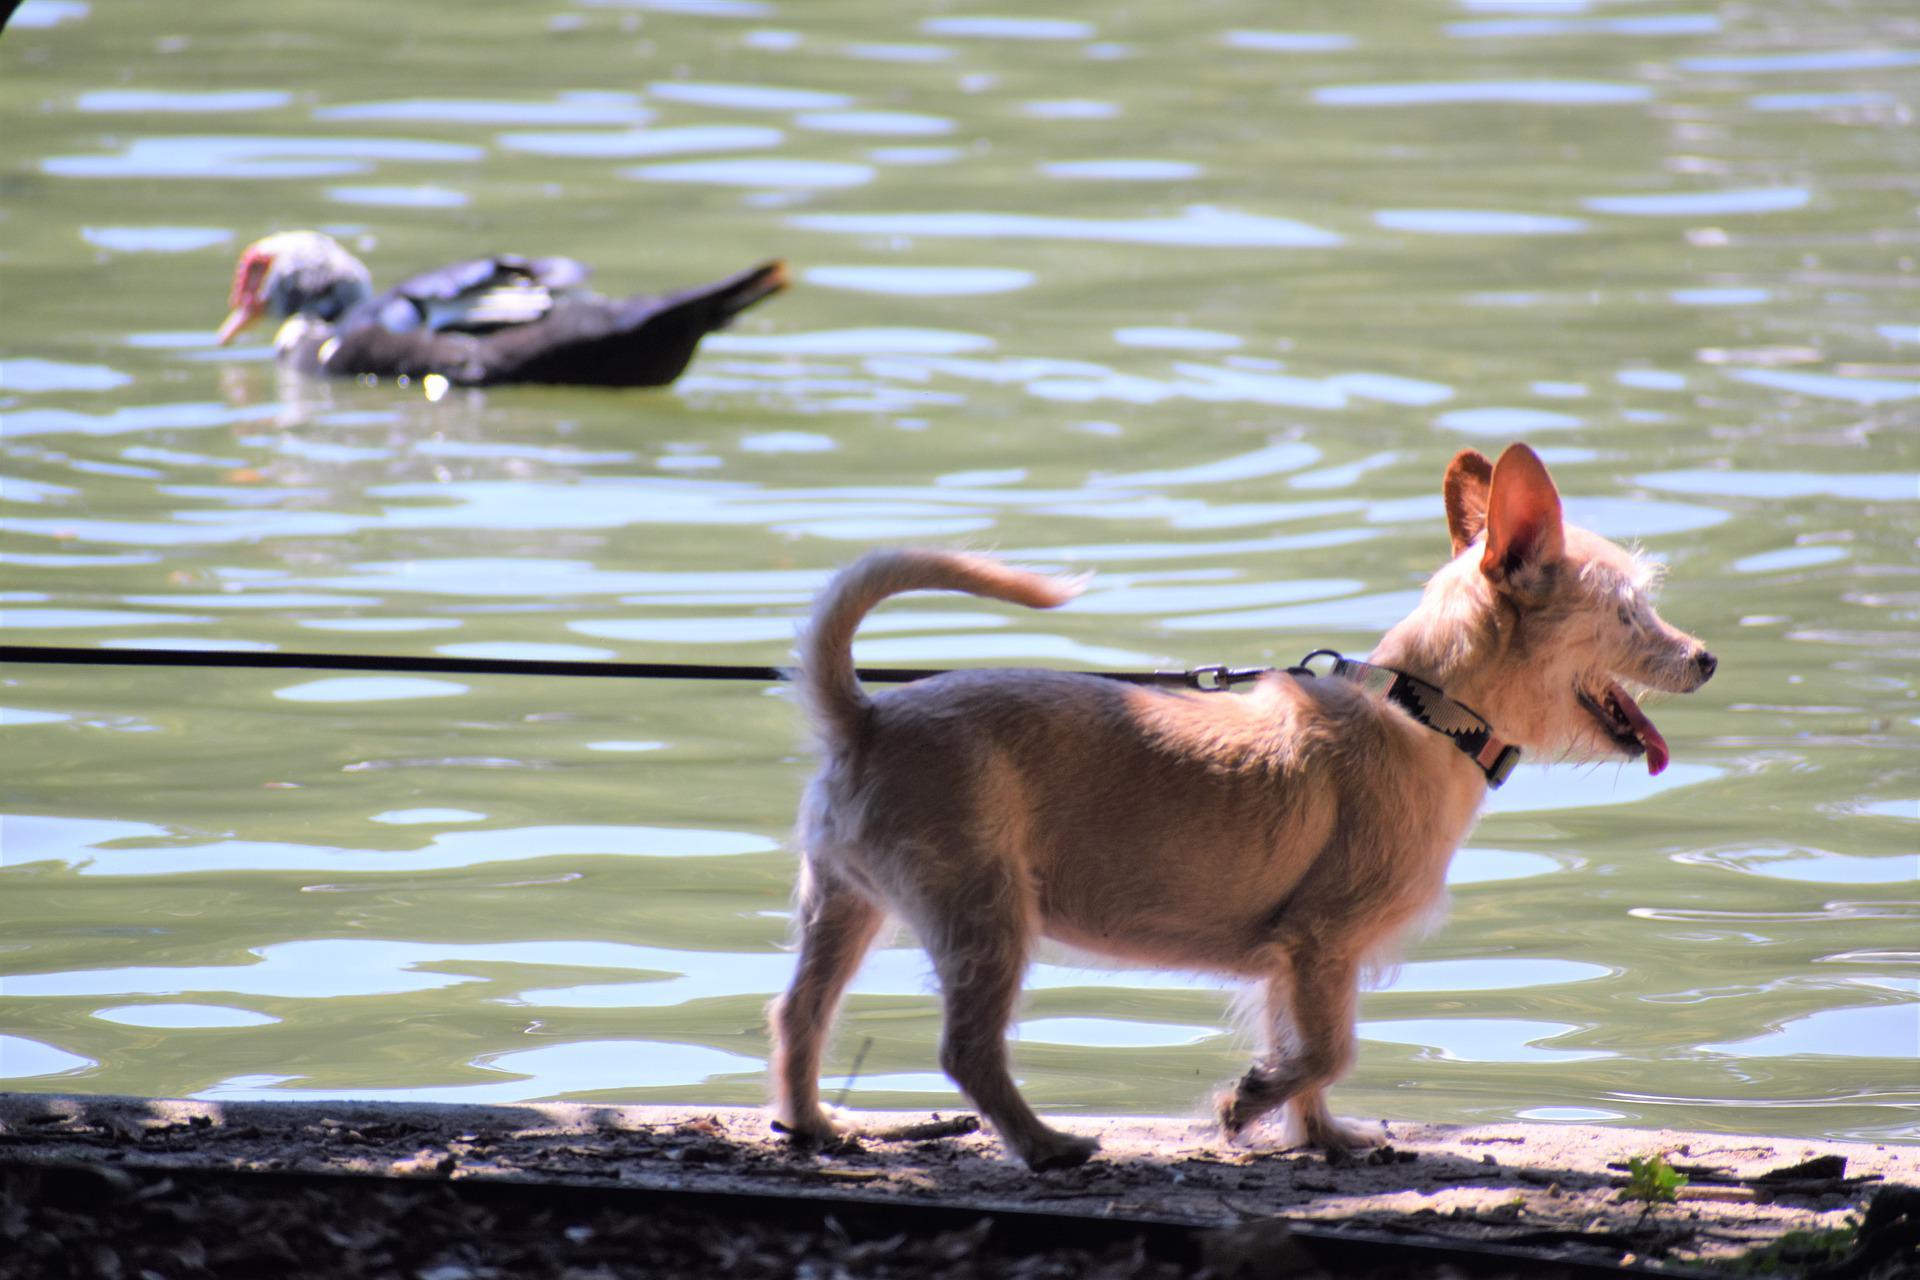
828, 686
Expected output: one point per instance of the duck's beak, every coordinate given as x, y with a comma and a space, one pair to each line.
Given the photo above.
248, 295
239, 318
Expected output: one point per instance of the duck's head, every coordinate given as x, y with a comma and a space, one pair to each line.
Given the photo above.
294, 273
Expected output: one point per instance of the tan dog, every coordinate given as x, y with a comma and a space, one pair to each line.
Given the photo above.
1288, 835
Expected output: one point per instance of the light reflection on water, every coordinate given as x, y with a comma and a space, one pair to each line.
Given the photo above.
633, 143
1197, 227
1522, 92
203, 157
95, 847
582, 1067
183, 1016
1054, 300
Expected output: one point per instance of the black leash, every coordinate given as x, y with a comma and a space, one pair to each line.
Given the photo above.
1426, 703
1205, 678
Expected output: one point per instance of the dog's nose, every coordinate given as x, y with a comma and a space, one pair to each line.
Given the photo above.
1707, 663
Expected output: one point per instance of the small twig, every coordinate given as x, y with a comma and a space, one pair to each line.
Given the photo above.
955, 1127
859, 1059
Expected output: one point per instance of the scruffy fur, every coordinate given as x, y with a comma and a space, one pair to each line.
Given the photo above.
1287, 835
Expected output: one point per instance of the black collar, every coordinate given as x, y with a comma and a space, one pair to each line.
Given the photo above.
1430, 705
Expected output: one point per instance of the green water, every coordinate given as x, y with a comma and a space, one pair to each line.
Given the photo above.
1199, 297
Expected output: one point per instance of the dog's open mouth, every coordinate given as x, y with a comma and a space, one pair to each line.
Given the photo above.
1622, 720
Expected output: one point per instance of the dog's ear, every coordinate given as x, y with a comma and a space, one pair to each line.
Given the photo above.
1523, 518
1465, 489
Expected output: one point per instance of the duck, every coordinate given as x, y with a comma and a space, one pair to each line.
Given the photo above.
487, 321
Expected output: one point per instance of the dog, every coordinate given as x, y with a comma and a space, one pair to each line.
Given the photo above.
1288, 835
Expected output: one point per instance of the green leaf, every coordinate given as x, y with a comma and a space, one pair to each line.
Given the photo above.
1652, 1179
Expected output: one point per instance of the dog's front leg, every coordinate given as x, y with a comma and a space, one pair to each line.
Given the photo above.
1310, 1004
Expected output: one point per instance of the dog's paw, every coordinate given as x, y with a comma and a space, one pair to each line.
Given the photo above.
1330, 1134
1249, 1101
1059, 1151
822, 1129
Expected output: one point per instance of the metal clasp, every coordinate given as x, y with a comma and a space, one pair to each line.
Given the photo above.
1218, 678
1305, 665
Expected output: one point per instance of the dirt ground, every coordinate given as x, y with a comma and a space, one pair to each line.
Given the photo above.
112, 1187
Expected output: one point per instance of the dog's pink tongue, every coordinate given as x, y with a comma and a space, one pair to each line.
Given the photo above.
1642, 729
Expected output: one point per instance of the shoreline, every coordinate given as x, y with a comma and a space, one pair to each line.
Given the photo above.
1553, 1190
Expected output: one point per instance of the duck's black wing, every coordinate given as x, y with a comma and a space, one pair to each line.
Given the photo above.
478, 296
634, 342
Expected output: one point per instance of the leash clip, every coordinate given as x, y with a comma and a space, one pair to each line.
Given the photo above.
1304, 667
1218, 677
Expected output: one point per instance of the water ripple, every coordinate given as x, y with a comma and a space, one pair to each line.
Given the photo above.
1071, 109
413, 197
1824, 60
701, 8
921, 281
31, 374
629, 144
1830, 386
568, 108
436, 817
1111, 1033
1887, 1031
1507, 422
1288, 41
1479, 1039
253, 156
882, 124
1391, 388
1535, 788
37, 15
1476, 222
995, 28
551, 1071
143, 101
1521, 92
178, 1017
1180, 339
369, 689
104, 850
154, 239
1703, 204
1122, 170
1274, 459
1818, 866
758, 171
1756, 483
87, 619
24, 1059
1651, 24
1840, 100
1199, 226
747, 97
900, 52
848, 342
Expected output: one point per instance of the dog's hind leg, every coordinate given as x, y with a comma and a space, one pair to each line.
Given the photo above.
980, 954
1310, 1005
837, 924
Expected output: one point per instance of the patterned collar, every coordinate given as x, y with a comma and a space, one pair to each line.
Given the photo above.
1430, 705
